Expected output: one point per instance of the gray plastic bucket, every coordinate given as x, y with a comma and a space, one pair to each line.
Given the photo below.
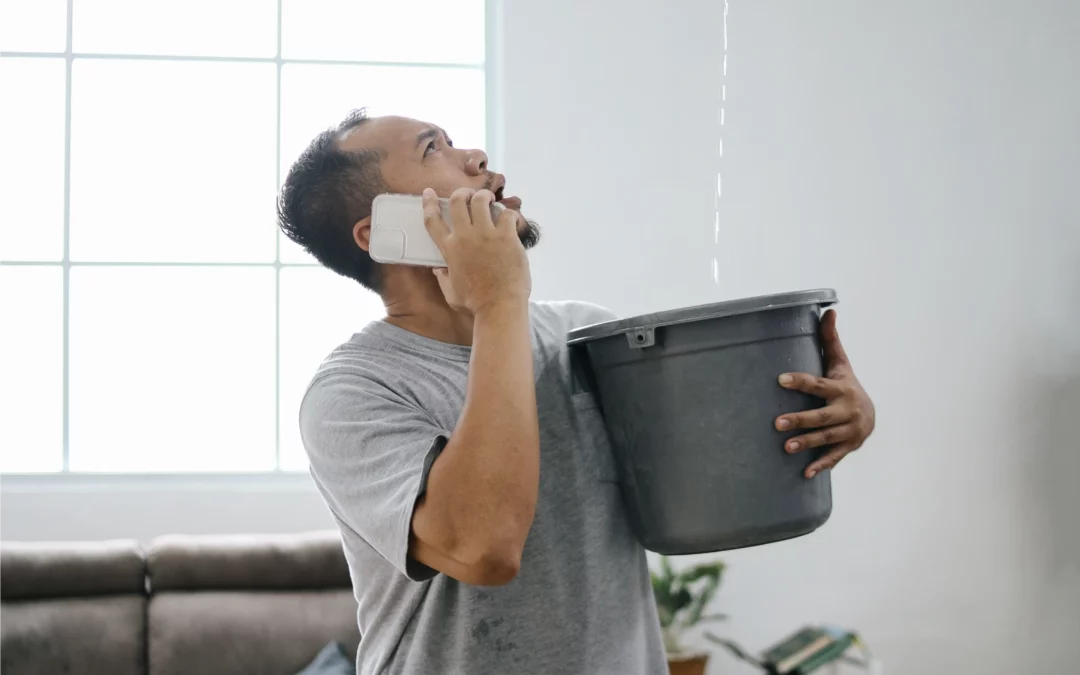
689, 398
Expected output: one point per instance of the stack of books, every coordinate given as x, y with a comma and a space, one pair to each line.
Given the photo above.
807, 650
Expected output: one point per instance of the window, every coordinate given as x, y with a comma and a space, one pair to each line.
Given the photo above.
153, 318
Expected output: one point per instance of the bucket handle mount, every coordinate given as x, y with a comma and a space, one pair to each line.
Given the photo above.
640, 338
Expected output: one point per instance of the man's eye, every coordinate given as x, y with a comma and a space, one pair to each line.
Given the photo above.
429, 149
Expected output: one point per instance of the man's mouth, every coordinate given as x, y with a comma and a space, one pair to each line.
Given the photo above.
510, 202
497, 184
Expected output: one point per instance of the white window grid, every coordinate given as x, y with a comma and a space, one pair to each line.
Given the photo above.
490, 67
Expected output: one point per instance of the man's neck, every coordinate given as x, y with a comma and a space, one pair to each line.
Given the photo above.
414, 302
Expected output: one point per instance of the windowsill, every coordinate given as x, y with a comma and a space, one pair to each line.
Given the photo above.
271, 481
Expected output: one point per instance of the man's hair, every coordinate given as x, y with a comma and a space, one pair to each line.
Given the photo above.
325, 193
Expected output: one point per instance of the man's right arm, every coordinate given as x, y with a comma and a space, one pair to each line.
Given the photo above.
476, 511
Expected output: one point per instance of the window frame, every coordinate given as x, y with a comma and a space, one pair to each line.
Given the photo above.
65, 478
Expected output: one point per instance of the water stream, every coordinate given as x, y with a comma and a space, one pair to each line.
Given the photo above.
720, 156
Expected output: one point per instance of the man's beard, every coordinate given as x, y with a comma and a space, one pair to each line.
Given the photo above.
530, 234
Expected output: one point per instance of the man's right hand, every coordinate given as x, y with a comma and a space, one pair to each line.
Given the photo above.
486, 262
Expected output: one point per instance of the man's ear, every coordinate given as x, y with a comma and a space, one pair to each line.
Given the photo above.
361, 233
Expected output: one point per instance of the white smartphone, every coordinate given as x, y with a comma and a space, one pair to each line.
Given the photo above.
398, 234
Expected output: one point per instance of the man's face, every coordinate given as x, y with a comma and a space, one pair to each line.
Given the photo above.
417, 155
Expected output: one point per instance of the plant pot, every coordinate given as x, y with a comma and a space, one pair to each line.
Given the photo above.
690, 664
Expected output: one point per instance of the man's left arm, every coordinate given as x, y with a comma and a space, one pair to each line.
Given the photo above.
846, 420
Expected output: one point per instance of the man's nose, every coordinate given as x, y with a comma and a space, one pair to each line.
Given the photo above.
476, 163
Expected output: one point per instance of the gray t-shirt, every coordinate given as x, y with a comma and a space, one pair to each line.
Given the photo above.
375, 417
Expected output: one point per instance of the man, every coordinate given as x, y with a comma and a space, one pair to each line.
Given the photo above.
473, 488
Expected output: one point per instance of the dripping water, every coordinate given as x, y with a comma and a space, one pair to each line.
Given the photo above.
720, 156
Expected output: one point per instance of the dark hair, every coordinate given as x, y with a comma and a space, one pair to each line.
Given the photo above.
326, 191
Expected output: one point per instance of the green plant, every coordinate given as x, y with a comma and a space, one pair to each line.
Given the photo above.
682, 597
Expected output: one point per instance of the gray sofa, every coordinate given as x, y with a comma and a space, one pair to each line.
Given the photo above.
182, 604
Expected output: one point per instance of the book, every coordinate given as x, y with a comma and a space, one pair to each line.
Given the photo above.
807, 650
783, 657
837, 648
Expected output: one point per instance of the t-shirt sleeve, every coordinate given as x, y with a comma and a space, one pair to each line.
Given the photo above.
370, 452
586, 314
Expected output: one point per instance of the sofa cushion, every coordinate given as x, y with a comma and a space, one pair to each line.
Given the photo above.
312, 560
57, 570
228, 632
75, 636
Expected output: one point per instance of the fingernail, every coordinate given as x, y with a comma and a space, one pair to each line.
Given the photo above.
782, 424
793, 446
811, 473
786, 379
428, 192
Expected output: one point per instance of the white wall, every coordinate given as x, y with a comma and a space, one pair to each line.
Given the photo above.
917, 156
90, 507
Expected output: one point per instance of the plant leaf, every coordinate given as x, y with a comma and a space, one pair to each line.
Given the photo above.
682, 599
662, 591
704, 570
705, 593
734, 648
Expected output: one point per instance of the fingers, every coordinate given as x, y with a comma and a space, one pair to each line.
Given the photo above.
433, 220
829, 436
459, 207
830, 341
831, 459
470, 207
508, 222
815, 419
480, 207
442, 275
811, 384
837, 424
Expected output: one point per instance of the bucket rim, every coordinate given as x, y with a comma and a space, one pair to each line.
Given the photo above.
716, 310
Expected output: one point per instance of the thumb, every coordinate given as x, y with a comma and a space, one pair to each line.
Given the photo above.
830, 339
442, 274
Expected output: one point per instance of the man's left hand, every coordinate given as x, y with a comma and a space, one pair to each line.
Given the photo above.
846, 420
